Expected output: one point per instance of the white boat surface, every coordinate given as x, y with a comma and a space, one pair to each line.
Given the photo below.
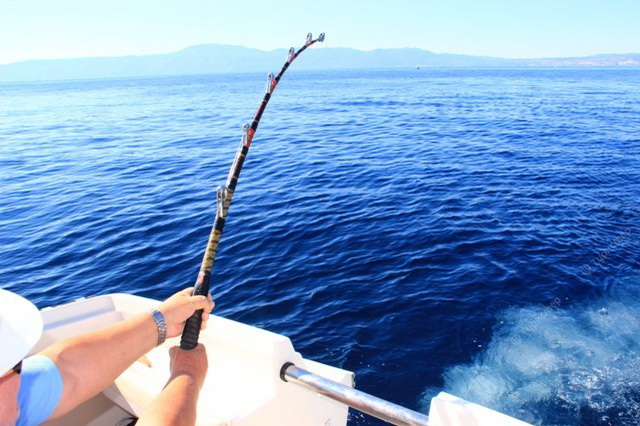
243, 385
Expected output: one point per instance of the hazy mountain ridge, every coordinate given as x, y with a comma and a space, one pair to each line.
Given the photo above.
630, 60
213, 58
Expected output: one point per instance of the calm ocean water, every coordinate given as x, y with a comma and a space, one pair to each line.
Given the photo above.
474, 231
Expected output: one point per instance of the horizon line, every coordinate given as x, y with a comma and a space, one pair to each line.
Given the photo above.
320, 47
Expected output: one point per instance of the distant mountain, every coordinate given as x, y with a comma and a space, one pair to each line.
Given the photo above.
629, 60
213, 58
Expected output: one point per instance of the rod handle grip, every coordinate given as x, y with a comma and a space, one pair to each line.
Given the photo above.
191, 332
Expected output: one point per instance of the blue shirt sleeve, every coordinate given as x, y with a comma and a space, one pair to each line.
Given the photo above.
40, 390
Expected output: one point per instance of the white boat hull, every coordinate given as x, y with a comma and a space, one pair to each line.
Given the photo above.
243, 385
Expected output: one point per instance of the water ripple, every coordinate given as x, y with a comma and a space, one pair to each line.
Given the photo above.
404, 225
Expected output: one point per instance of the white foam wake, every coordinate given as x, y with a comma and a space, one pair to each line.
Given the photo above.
554, 366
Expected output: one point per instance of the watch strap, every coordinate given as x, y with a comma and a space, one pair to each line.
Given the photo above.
161, 323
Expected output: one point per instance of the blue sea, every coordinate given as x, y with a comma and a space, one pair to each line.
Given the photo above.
472, 231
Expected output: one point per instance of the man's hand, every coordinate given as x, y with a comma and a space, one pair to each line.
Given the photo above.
179, 307
177, 403
192, 363
89, 362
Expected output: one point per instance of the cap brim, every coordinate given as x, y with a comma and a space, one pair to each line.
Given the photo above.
20, 328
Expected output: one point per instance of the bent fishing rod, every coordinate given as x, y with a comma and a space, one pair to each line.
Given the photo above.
224, 194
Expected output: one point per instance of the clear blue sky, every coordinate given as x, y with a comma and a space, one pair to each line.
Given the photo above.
37, 29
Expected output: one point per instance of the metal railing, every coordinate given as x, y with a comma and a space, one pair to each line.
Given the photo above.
361, 401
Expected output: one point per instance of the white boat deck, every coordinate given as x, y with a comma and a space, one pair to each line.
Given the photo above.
243, 385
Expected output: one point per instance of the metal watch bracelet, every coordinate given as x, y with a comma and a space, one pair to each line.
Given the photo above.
161, 323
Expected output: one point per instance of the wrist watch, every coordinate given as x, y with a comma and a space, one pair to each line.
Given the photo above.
161, 323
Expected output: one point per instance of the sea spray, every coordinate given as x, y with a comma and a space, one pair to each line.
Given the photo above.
556, 365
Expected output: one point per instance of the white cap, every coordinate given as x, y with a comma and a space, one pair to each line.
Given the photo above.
20, 328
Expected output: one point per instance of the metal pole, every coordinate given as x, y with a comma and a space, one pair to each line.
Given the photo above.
374, 406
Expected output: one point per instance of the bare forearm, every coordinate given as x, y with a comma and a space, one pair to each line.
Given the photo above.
176, 404
90, 362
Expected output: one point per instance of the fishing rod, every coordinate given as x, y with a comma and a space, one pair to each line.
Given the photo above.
224, 195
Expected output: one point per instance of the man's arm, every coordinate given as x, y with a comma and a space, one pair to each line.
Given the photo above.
176, 404
90, 362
